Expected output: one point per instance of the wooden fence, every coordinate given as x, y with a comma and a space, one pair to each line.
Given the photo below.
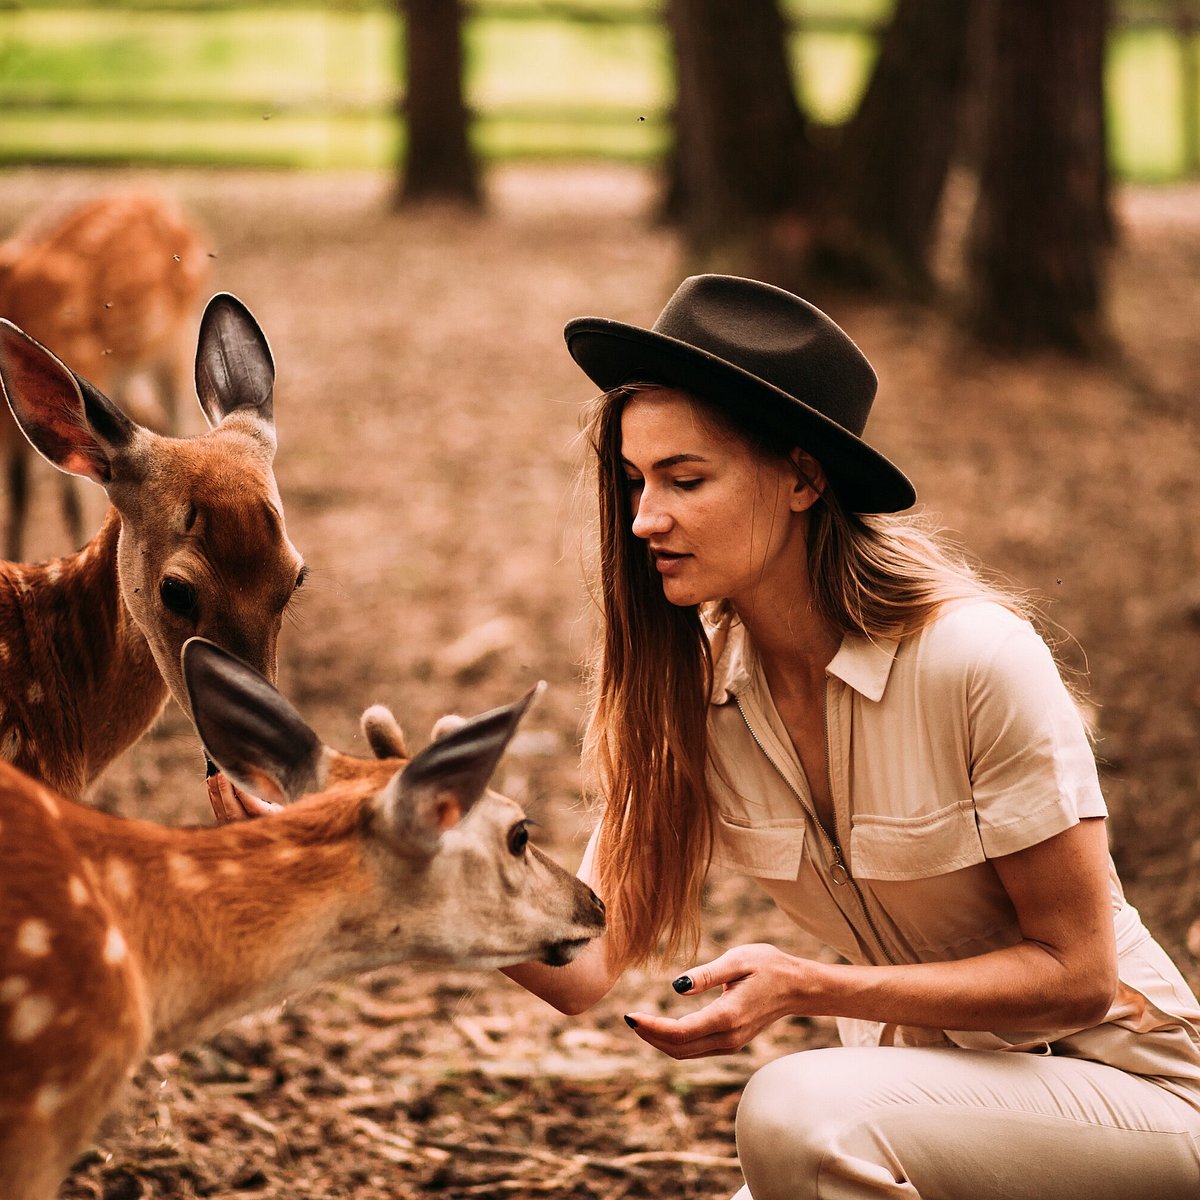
283, 82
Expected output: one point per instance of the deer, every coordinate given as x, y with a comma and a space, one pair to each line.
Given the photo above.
193, 544
114, 285
120, 938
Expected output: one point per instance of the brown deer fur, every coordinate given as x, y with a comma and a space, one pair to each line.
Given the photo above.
89, 644
113, 287
119, 938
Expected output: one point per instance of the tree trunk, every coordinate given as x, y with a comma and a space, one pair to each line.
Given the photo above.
740, 147
891, 167
1041, 226
439, 163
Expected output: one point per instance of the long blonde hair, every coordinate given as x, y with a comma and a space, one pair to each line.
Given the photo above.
646, 746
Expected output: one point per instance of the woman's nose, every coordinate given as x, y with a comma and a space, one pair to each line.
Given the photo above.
649, 518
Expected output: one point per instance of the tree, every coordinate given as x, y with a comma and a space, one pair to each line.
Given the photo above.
752, 184
1042, 224
439, 162
890, 171
740, 139
766, 192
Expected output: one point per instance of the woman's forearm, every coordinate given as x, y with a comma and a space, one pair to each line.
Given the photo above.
1022, 987
571, 989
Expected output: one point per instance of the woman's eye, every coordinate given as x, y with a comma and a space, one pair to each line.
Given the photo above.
632, 484
178, 596
518, 838
687, 485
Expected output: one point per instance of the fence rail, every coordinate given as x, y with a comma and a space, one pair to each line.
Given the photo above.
284, 81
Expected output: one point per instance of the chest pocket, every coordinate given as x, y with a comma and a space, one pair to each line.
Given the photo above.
769, 851
898, 848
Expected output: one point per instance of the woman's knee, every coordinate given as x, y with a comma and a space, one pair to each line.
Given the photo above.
783, 1123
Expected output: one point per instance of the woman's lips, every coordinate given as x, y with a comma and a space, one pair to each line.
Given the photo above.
667, 562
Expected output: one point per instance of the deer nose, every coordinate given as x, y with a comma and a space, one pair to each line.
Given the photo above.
596, 901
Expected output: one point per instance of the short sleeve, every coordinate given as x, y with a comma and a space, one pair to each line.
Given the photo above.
1033, 773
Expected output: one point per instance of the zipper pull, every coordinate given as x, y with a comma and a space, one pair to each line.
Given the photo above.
838, 872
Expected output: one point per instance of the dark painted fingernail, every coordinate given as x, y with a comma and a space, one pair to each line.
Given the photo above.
631, 1022
682, 984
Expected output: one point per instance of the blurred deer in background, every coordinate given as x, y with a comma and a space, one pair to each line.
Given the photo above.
113, 288
119, 938
193, 543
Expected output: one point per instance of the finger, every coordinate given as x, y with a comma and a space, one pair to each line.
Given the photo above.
225, 807
712, 1019
679, 1044
722, 970
251, 805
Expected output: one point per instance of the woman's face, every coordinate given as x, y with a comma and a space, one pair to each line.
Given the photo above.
721, 520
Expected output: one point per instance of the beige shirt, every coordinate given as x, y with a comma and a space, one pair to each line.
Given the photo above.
946, 749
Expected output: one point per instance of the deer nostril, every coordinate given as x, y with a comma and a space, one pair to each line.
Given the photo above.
598, 902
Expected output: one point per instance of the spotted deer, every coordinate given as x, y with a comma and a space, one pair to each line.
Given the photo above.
120, 938
193, 544
113, 286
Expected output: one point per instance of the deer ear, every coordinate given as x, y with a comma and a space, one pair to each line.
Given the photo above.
440, 785
234, 369
383, 733
247, 728
68, 422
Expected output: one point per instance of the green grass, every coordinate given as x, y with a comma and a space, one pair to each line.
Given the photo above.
315, 86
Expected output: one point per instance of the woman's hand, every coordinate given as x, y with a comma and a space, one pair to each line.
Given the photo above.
760, 984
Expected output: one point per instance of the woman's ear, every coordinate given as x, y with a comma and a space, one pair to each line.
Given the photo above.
810, 481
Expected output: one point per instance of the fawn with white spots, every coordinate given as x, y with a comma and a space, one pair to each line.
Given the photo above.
113, 287
120, 938
193, 544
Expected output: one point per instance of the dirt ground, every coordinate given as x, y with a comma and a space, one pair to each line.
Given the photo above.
427, 414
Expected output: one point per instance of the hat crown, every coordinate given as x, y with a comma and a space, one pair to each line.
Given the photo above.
777, 337
773, 363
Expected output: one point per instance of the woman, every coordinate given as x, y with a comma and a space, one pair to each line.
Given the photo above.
829, 702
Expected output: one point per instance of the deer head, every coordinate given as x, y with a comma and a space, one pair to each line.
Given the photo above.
452, 874
202, 549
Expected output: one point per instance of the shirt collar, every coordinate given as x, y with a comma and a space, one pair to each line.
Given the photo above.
861, 662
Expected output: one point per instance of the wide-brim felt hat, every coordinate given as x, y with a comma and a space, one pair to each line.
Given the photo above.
772, 362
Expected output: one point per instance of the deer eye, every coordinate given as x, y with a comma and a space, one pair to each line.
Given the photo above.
178, 596
518, 838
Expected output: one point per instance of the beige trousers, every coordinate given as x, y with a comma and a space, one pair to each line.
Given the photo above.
862, 1123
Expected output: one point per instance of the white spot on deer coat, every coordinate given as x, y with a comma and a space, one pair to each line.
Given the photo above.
77, 890
33, 938
115, 948
49, 803
185, 874
120, 878
30, 1015
49, 1099
13, 987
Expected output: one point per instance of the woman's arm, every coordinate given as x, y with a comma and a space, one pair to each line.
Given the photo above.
587, 978
1062, 974
572, 989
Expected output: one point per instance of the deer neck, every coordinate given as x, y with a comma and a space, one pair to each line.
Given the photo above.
81, 682
222, 921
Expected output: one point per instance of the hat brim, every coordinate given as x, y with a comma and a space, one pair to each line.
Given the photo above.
611, 353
